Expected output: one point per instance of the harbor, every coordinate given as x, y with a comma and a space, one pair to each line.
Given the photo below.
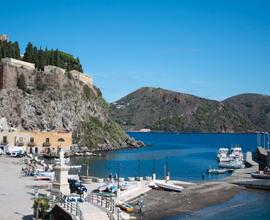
116, 196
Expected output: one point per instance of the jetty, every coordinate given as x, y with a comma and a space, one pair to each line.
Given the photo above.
242, 177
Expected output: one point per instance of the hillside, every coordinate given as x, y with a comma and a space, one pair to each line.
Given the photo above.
165, 110
53, 99
254, 107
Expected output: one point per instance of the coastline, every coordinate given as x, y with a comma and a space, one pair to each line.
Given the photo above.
162, 204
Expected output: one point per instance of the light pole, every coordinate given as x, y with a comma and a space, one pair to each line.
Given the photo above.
118, 174
141, 206
139, 169
154, 168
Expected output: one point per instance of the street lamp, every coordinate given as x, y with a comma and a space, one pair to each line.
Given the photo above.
139, 169
118, 174
141, 206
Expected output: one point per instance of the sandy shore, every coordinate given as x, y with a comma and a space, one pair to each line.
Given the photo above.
16, 191
160, 204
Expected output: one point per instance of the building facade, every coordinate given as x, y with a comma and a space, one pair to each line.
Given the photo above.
37, 141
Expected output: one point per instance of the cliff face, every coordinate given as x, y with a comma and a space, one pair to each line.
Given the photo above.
56, 101
160, 109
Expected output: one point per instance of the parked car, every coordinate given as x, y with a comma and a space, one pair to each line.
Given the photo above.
76, 186
73, 198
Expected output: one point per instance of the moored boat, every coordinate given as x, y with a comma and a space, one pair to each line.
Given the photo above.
168, 186
217, 171
236, 152
44, 175
235, 164
222, 153
125, 206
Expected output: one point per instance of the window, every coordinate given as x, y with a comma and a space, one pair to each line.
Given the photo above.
32, 140
47, 140
4, 139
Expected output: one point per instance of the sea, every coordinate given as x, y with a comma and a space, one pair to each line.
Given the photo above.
185, 156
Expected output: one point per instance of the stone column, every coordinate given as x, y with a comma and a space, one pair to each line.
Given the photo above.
60, 184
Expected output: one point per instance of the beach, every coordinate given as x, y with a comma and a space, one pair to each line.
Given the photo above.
160, 204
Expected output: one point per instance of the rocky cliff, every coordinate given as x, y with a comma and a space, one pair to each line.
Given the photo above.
165, 110
56, 101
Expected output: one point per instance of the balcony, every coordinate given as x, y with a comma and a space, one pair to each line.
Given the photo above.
20, 144
31, 144
46, 144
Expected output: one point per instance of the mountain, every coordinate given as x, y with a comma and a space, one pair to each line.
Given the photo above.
160, 109
254, 107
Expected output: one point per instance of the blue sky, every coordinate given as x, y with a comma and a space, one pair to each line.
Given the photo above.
211, 48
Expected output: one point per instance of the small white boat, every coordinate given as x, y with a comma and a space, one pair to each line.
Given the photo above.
44, 175
222, 153
216, 171
124, 186
112, 188
75, 167
169, 186
103, 187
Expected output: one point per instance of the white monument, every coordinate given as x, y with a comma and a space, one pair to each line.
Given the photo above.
60, 184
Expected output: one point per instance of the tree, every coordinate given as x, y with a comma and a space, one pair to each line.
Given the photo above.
28, 55
41, 207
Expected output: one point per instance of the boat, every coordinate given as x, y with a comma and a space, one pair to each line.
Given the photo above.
124, 186
224, 158
169, 186
44, 175
125, 206
260, 175
234, 164
222, 153
112, 188
236, 152
216, 171
103, 188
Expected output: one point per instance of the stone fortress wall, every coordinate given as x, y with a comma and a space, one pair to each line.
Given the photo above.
3, 37
11, 68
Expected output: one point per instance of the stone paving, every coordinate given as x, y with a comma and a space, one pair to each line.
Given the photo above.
16, 191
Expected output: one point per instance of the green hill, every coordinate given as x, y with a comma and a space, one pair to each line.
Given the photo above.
165, 110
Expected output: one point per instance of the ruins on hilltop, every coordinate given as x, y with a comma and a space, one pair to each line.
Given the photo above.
11, 69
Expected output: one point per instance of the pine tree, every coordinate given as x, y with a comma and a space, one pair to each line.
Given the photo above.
28, 55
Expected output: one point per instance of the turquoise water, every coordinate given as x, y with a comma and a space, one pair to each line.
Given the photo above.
187, 156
